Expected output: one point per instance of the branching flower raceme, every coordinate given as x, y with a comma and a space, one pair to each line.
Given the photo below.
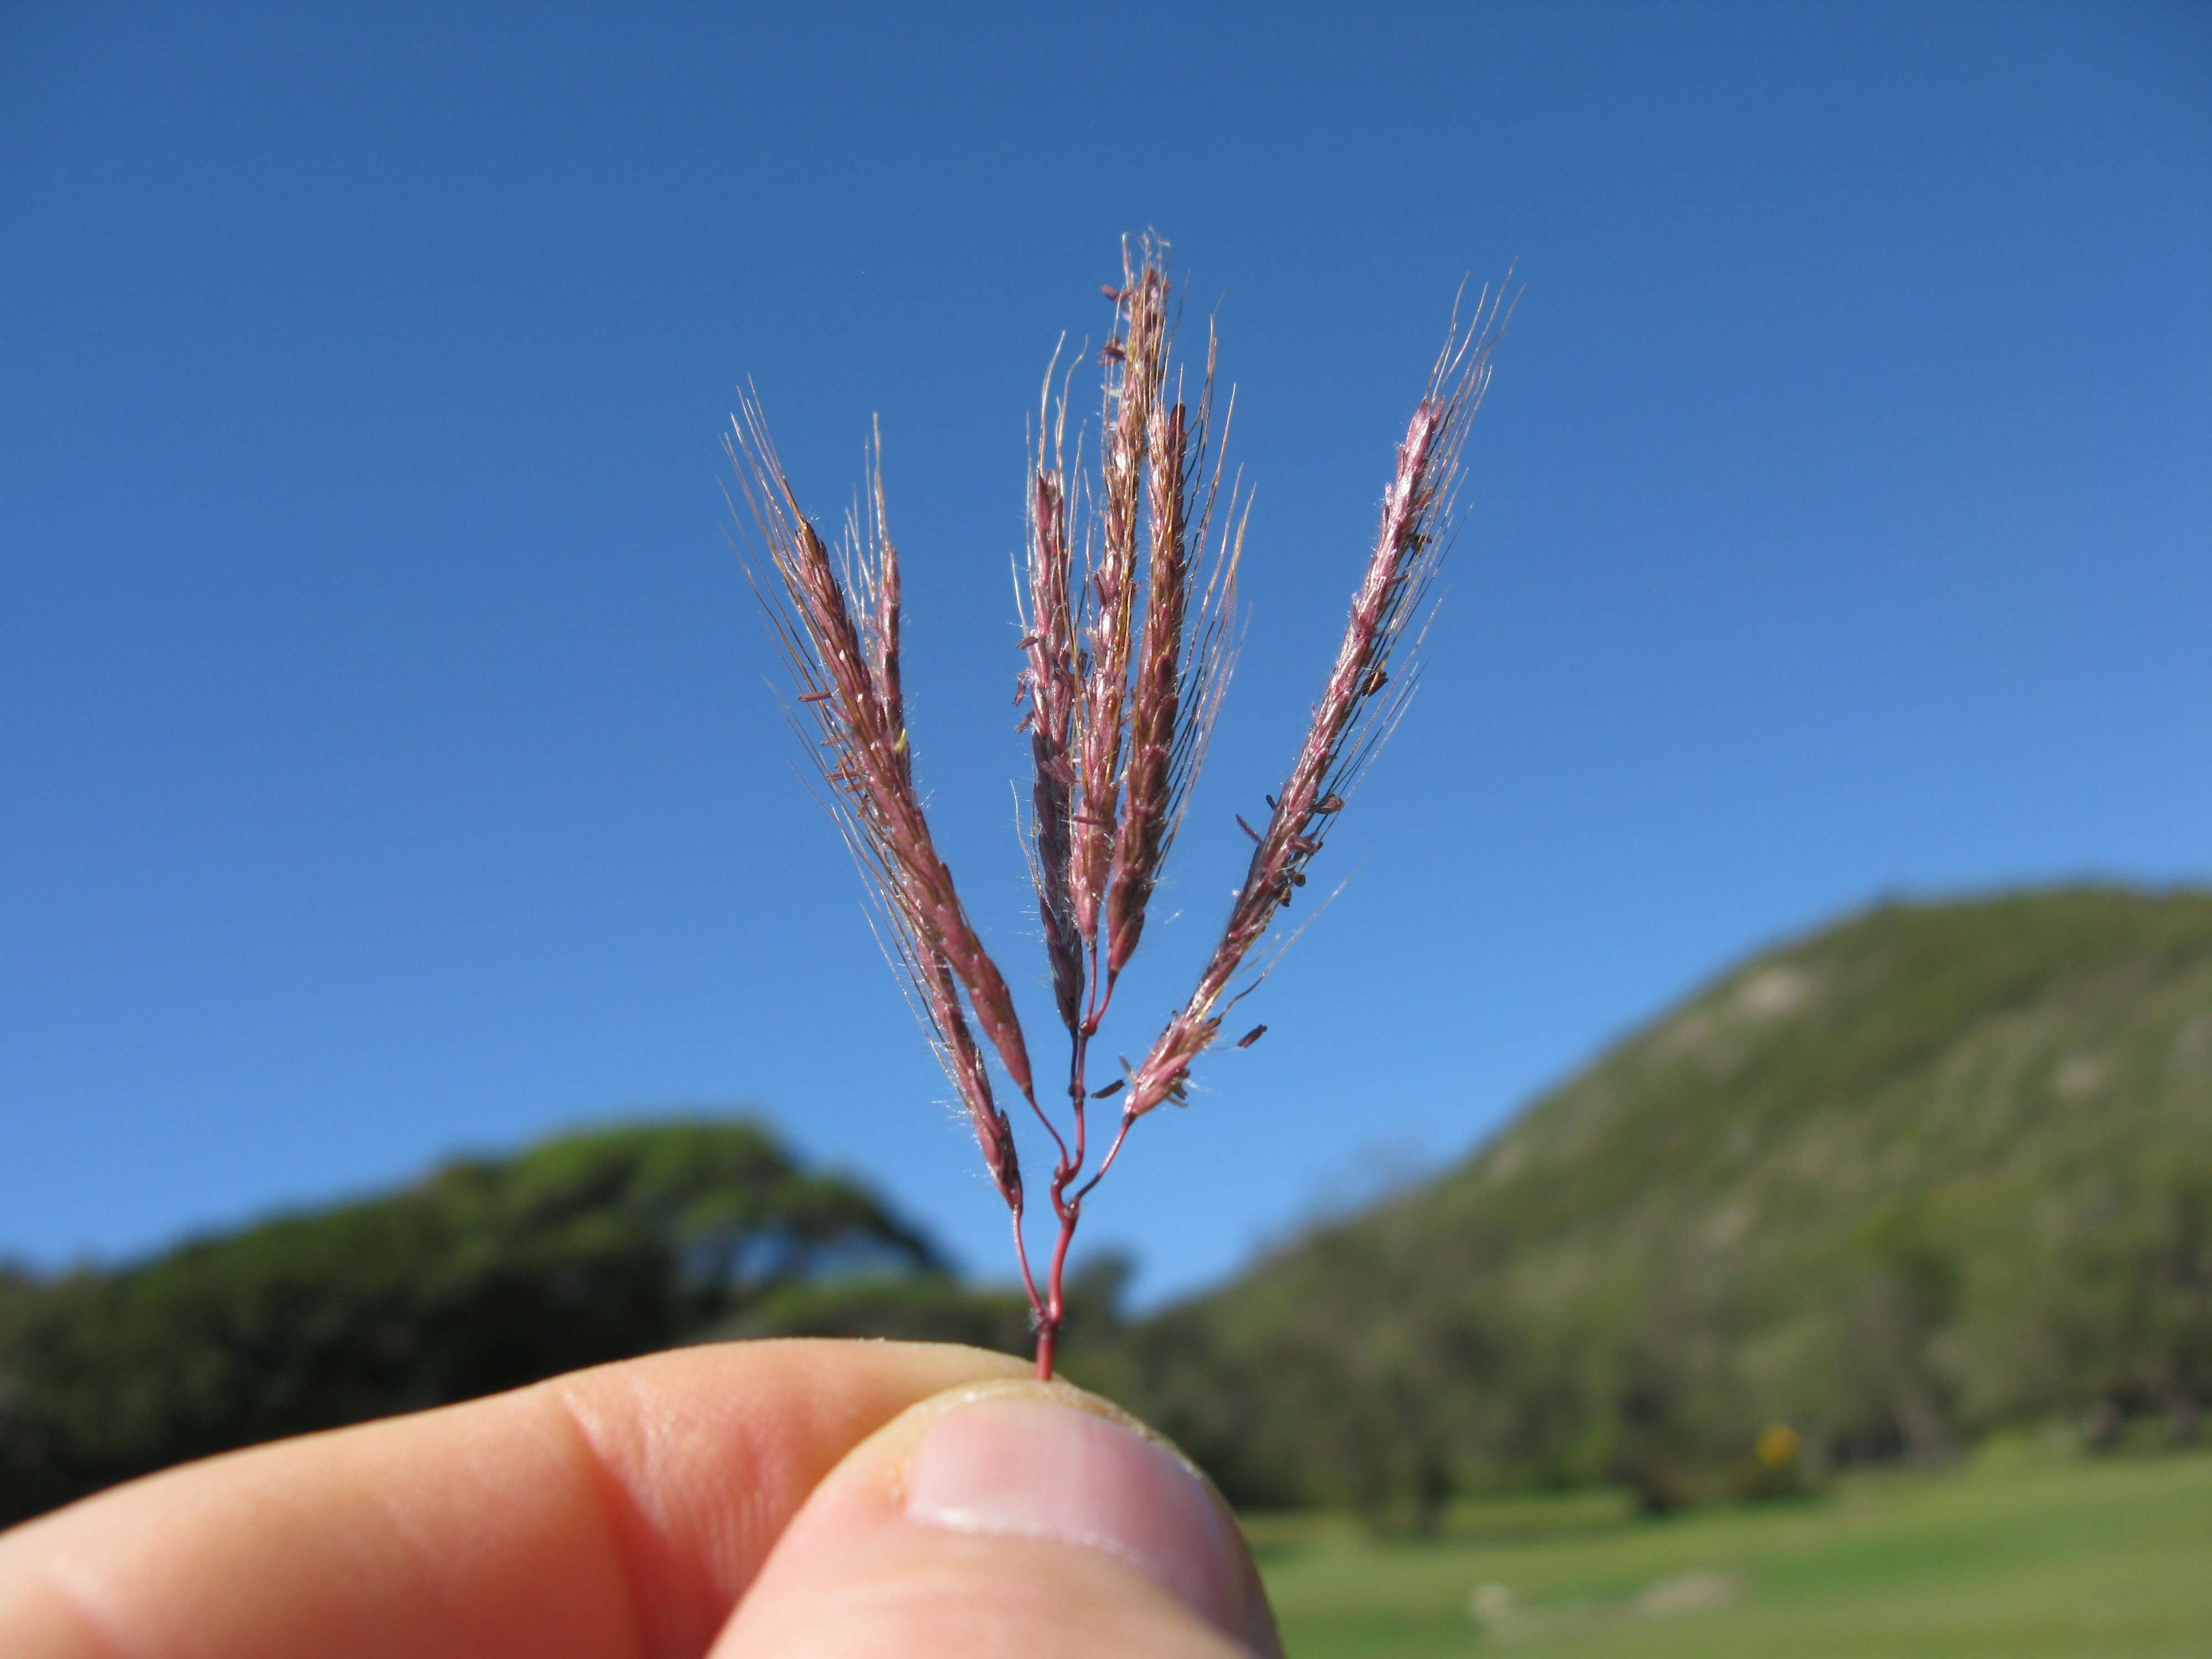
1127, 595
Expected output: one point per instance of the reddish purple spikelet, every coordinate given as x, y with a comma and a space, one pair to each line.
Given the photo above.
1136, 363
1053, 678
848, 671
1348, 723
1121, 693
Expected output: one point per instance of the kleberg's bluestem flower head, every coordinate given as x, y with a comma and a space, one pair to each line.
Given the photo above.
1120, 700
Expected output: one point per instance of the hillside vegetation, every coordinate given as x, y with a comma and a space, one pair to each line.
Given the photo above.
1936, 1169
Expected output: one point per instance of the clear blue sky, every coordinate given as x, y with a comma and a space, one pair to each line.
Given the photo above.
386, 763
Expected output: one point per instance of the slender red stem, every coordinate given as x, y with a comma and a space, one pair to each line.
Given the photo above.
1049, 1332
1106, 1163
1052, 1307
1078, 1098
1052, 1129
1022, 1255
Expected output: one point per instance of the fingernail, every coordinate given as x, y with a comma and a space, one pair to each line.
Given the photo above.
1027, 1466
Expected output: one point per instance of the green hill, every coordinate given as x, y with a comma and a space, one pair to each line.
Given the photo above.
1936, 1168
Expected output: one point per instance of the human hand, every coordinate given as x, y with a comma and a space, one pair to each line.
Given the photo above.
745, 1501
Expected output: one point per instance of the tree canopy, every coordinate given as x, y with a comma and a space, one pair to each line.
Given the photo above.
489, 1273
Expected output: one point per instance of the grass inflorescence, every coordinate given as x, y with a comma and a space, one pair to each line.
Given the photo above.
1128, 594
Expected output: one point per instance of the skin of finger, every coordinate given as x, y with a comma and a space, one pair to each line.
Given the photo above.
852, 1576
615, 1512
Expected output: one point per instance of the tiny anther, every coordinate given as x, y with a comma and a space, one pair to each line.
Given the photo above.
1101, 1094
1251, 1037
814, 696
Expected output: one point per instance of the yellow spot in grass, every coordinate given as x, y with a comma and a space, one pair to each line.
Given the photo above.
1778, 1445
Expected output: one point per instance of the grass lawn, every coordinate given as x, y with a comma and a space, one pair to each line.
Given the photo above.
2018, 1556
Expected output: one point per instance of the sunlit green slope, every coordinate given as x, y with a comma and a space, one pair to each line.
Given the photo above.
1935, 1167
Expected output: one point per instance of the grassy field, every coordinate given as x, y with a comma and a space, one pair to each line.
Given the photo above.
2025, 1555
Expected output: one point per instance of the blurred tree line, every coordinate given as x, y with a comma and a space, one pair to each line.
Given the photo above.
490, 1274
486, 1275
1387, 1388
1938, 1172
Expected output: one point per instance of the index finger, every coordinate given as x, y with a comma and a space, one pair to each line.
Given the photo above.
617, 1511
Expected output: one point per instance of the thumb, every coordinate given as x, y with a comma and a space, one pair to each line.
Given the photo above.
1012, 1519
